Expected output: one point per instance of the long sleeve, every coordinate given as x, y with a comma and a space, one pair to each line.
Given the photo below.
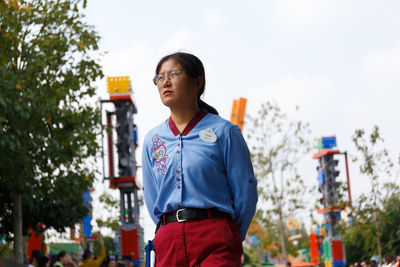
149, 181
101, 257
95, 262
241, 179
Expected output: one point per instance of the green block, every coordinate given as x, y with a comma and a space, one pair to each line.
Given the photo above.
319, 145
327, 249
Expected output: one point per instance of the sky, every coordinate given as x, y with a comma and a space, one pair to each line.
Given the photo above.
339, 60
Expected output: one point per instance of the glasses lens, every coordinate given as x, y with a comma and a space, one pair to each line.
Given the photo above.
172, 76
158, 79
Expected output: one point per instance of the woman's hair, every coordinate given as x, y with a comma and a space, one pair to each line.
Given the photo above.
193, 68
35, 255
57, 257
61, 254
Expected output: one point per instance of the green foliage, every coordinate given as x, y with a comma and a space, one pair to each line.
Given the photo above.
390, 227
108, 244
277, 144
111, 205
376, 216
48, 129
360, 239
6, 250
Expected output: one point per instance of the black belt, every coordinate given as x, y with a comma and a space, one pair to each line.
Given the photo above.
188, 214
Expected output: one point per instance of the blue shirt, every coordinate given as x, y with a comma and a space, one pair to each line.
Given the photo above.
189, 169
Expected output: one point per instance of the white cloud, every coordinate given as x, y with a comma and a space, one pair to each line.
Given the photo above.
177, 41
214, 19
303, 13
292, 90
381, 68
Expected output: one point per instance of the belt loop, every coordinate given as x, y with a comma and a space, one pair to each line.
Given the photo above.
209, 213
158, 226
163, 217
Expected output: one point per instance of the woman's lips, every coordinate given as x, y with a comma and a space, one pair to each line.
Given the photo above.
167, 92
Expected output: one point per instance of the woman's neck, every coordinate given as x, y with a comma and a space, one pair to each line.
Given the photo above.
181, 118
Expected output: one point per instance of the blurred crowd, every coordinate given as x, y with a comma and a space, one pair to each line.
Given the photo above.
387, 261
63, 259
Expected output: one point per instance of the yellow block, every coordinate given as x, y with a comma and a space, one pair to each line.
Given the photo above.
117, 85
328, 264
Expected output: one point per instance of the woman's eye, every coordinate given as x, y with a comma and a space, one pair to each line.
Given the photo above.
174, 73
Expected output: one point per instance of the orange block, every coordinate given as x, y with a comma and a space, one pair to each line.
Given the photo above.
314, 248
238, 112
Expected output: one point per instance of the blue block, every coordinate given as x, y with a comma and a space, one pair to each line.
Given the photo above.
87, 226
135, 134
328, 142
321, 177
338, 264
86, 197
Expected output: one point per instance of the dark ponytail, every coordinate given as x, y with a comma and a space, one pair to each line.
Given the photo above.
194, 68
204, 105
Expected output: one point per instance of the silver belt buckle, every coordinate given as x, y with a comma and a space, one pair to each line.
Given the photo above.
177, 216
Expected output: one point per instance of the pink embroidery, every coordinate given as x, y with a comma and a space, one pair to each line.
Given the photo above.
159, 154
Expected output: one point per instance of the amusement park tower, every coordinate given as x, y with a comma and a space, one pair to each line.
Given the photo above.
129, 236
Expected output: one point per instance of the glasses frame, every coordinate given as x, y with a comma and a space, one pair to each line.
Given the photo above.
172, 74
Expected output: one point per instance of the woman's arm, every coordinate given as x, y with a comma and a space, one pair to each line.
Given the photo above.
241, 179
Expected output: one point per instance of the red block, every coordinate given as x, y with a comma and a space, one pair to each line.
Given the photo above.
34, 243
314, 248
129, 244
337, 250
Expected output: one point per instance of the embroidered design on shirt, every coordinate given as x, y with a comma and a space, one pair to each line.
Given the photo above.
159, 154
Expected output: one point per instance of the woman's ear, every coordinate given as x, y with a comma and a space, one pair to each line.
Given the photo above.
200, 81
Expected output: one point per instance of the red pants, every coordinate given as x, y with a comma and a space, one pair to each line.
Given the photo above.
208, 242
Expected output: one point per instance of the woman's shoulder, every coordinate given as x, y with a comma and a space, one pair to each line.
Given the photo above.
219, 123
159, 129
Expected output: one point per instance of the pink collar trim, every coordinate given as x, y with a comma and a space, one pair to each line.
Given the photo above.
192, 123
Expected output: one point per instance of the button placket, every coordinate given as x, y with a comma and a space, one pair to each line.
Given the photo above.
179, 167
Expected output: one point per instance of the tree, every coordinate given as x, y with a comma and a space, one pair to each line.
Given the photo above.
111, 206
48, 127
360, 239
277, 145
377, 165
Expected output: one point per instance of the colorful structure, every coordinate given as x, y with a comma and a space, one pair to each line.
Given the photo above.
332, 244
129, 236
238, 112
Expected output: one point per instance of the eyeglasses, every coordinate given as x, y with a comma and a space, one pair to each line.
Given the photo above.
172, 76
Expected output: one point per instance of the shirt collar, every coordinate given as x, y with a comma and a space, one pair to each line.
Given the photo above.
192, 123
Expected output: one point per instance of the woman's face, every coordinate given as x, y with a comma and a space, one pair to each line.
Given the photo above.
180, 91
112, 263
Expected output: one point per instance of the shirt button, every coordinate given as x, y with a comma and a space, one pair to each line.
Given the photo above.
179, 187
177, 171
179, 144
178, 179
177, 152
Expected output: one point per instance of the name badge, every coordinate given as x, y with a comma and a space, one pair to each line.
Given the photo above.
208, 136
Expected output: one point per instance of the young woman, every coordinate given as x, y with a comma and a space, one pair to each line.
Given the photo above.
198, 180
